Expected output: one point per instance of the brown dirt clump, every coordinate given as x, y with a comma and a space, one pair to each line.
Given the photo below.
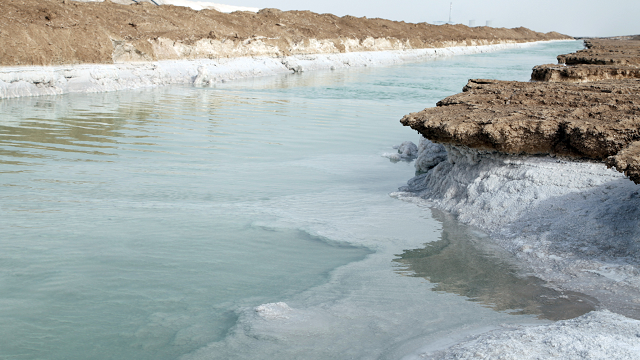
51, 32
627, 161
592, 120
605, 52
582, 73
597, 120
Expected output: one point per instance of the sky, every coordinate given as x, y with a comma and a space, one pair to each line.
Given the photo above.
571, 17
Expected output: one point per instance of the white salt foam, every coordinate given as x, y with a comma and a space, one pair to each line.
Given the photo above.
271, 311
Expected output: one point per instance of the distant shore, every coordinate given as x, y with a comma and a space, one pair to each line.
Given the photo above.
63, 32
19, 81
50, 47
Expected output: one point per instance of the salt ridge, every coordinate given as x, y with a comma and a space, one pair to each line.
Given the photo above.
89, 78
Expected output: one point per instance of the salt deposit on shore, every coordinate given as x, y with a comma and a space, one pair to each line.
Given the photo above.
199, 5
597, 335
573, 223
55, 80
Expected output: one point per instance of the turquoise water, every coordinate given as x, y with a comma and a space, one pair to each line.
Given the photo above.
150, 224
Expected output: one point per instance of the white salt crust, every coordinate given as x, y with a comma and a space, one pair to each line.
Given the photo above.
89, 78
596, 335
573, 223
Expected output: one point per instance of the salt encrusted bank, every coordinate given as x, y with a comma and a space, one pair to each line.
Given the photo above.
62, 79
62, 32
544, 169
574, 223
596, 335
60, 46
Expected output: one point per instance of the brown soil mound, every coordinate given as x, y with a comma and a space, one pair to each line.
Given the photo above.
593, 120
597, 120
47, 32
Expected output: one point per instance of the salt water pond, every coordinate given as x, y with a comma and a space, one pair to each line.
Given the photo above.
250, 219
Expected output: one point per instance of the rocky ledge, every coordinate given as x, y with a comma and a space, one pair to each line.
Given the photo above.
596, 117
602, 59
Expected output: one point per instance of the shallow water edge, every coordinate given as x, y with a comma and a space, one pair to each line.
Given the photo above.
572, 223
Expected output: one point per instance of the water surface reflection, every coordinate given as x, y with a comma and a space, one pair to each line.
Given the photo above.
463, 263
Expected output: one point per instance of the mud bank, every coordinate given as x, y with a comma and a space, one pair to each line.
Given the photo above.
59, 32
60, 46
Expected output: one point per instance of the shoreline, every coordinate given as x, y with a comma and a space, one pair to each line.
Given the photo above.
553, 183
554, 215
22, 81
62, 32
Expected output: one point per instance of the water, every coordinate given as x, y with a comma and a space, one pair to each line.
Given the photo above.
463, 262
150, 224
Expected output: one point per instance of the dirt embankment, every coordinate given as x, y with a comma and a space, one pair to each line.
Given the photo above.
602, 59
597, 120
54, 32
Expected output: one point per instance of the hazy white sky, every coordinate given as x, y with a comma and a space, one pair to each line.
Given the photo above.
572, 17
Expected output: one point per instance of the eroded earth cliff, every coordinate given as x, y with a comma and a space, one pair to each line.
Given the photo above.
578, 109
